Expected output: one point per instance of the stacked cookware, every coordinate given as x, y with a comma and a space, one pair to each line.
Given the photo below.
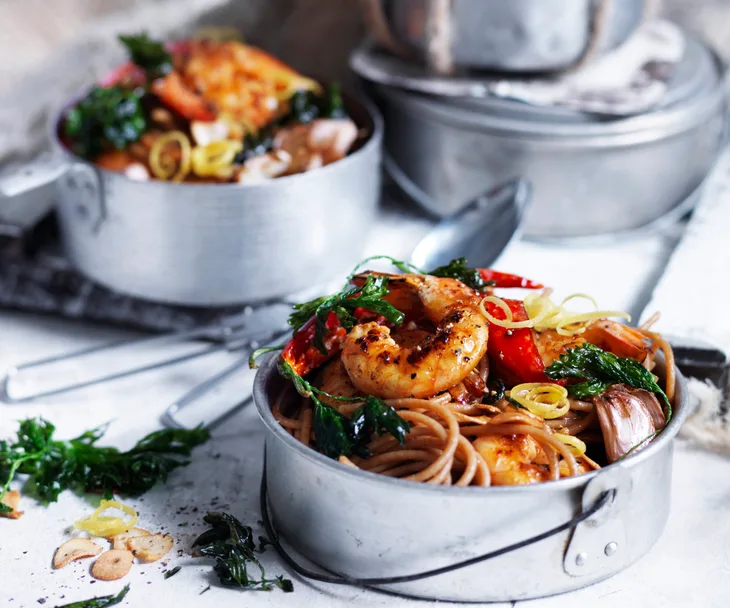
478, 91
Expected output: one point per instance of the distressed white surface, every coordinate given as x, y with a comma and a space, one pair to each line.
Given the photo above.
689, 567
693, 292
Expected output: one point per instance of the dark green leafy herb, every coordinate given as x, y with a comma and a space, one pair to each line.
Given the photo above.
172, 571
599, 369
79, 464
256, 144
515, 403
99, 602
331, 430
260, 352
457, 269
263, 543
232, 546
306, 106
375, 416
109, 116
496, 391
335, 434
406, 267
148, 54
368, 296
305, 311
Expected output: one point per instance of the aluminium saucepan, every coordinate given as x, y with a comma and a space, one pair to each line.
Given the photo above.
212, 244
591, 175
363, 525
514, 36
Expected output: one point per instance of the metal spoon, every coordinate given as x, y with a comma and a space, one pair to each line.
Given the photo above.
480, 231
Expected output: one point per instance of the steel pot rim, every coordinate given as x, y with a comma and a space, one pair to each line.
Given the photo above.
268, 368
361, 103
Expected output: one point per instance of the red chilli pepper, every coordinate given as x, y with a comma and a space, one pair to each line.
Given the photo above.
513, 352
504, 279
301, 353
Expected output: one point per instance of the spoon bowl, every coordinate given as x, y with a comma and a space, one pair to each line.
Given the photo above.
480, 232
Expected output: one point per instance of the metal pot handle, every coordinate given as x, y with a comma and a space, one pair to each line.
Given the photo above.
602, 537
377, 24
439, 56
596, 508
22, 204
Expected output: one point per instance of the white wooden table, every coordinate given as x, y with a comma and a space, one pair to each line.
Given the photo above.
690, 566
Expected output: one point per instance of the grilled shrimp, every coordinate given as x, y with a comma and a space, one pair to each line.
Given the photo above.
618, 338
519, 460
511, 459
608, 335
378, 365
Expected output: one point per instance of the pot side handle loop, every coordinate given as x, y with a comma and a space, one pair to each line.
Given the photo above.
83, 188
599, 541
604, 498
26, 193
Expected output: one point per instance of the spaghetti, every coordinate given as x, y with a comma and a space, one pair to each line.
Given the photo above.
441, 447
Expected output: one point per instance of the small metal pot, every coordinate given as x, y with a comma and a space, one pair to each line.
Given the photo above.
590, 175
213, 244
364, 525
516, 36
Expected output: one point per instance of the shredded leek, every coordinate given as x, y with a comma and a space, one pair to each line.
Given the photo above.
104, 525
542, 399
543, 313
575, 445
215, 159
162, 164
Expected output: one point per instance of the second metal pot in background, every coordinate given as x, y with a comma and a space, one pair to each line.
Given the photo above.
590, 175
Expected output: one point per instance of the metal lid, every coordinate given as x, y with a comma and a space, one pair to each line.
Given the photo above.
696, 76
694, 88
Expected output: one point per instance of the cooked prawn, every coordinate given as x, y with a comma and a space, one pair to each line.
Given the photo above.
618, 338
608, 335
378, 365
511, 459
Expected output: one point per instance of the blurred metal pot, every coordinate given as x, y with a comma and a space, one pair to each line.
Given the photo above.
590, 175
519, 35
214, 244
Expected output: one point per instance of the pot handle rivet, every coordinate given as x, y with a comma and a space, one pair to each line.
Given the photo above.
581, 559
610, 549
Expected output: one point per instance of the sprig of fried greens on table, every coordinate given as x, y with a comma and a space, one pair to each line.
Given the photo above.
79, 464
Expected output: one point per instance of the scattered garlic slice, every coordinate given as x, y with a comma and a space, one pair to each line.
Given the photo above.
76, 548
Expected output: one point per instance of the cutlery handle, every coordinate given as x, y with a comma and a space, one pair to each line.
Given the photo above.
26, 193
